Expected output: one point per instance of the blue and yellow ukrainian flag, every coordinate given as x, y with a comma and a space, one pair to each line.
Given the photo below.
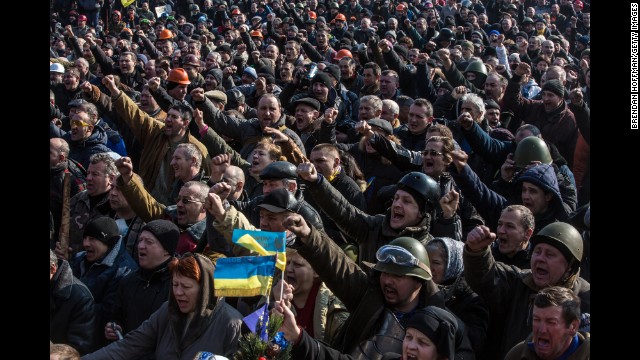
244, 276
264, 243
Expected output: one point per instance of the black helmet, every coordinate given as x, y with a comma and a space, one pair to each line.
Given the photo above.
279, 170
564, 237
390, 258
446, 34
529, 149
422, 188
479, 69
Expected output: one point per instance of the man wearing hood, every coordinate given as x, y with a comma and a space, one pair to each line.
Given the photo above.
537, 187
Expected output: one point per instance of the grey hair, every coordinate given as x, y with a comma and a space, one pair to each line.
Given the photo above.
109, 163
375, 101
202, 189
192, 152
475, 100
53, 259
393, 106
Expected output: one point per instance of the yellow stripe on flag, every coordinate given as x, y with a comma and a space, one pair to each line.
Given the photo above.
247, 241
126, 3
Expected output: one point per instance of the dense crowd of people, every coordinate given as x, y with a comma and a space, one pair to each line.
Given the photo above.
428, 161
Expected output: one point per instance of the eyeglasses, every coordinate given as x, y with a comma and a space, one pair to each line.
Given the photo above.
399, 256
187, 201
79, 123
431, 152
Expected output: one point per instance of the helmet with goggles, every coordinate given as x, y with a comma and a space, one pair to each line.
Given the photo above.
404, 256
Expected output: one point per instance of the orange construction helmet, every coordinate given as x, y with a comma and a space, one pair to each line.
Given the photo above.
179, 75
312, 15
340, 17
342, 53
400, 7
165, 34
236, 12
256, 33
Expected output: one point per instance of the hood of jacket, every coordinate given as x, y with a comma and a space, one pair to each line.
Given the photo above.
206, 306
544, 177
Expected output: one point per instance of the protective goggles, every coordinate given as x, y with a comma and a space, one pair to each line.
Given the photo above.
399, 256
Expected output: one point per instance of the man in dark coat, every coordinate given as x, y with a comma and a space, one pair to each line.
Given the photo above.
101, 266
142, 292
71, 309
551, 114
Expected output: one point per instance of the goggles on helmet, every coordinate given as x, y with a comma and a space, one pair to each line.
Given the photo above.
399, 256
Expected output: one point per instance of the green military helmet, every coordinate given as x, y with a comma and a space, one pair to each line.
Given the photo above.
530, 149
423, 188
480, 70
393, 258
564, 237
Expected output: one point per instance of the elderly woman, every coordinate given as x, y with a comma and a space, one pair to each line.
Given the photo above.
445, 261
192, 320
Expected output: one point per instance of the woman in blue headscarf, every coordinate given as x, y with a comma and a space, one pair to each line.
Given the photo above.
447, 268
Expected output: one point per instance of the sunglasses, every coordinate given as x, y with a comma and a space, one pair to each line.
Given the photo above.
431, 152
187, 201
79, 123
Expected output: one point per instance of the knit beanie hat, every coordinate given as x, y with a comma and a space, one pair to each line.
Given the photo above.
166, 232
322, 78
104, 229
555, 86
216, 73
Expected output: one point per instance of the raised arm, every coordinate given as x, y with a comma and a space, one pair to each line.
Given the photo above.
351, 220
142, 203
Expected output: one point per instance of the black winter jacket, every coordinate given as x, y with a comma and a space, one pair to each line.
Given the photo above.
71, 311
